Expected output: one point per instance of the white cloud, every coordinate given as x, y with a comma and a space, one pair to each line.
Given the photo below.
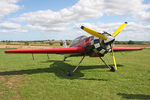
120, 7
7, 7
48, 20
143, 17
136, 31
132, 31
8, 27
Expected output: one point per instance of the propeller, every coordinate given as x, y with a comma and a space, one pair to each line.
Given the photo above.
99, 35
118, 30
108, 39
94, 33
114, 59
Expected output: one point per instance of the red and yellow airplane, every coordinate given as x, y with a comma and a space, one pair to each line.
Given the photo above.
96, 45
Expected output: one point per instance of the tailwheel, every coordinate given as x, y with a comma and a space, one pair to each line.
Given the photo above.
112, 68
70, 73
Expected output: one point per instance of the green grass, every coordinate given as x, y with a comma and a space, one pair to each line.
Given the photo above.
21, 78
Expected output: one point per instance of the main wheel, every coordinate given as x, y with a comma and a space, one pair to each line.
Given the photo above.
70, 73
112, 68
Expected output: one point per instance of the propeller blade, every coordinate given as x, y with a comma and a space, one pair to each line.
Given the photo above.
94, 33
114, 60
119, 29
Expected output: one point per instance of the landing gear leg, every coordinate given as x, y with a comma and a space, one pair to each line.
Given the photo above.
112, 68
65, 58
70, 73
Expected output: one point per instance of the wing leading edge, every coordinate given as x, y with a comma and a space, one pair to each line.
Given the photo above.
73, 50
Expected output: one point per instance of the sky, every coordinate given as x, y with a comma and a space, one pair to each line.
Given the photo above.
62, 19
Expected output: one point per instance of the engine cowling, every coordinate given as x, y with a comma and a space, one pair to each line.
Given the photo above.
101, 47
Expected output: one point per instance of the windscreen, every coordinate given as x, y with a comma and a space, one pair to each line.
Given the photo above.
78, 40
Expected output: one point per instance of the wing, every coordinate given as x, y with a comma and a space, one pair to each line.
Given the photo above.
74, 50
126, 49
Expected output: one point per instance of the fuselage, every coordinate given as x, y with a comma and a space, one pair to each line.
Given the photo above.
94, 47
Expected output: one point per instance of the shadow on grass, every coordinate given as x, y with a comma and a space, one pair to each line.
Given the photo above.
59, 68
93, 79
134, 96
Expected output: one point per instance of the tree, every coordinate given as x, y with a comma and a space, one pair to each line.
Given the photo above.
51, 43
131, 42
26, 43
68, 43
61, 43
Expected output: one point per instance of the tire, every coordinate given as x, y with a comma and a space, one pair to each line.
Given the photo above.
113, 69
70, 73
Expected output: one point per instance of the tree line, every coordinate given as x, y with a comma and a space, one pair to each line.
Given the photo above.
61, 42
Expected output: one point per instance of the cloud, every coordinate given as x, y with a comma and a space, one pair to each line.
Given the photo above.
135, 31
48, 20
143, 17
132, 31
120, 7
8, 27
7, 7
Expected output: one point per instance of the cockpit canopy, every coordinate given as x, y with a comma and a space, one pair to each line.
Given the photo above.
78, 40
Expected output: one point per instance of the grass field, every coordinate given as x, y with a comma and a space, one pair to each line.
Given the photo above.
21, 78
